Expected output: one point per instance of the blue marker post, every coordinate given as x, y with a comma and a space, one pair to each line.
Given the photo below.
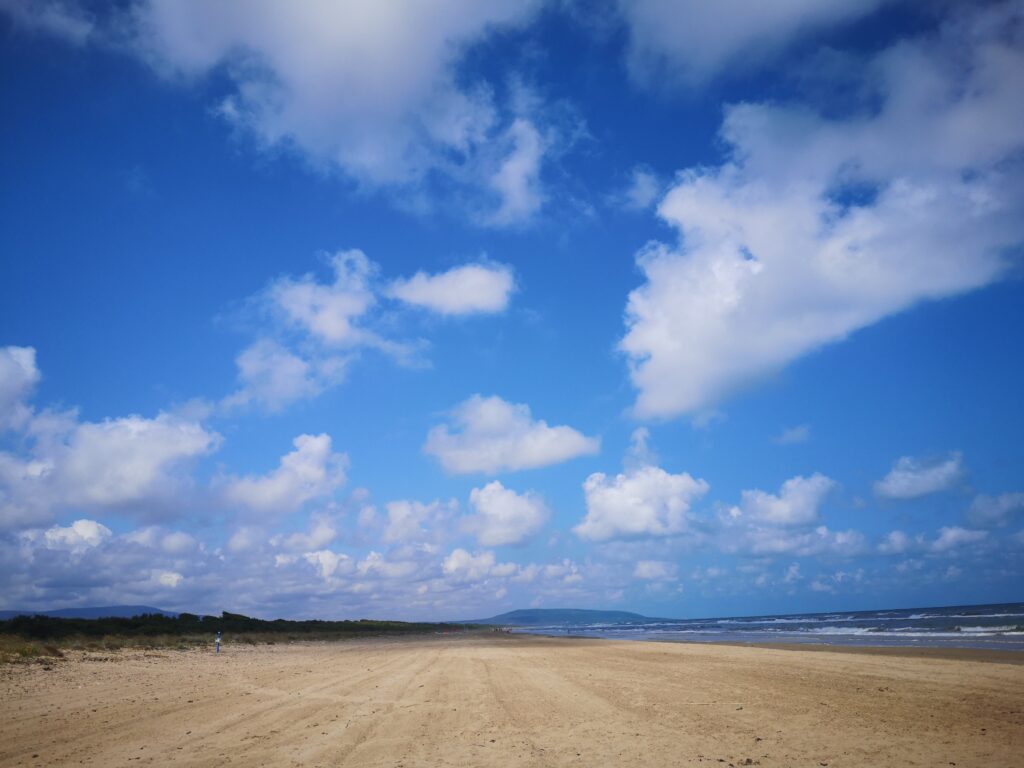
218, 641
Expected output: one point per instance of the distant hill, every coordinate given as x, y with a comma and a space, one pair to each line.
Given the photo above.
94, 612
541, 616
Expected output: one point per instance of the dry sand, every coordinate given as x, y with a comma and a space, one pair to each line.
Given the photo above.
496, 700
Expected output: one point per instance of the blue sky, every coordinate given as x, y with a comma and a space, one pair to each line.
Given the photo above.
346, 312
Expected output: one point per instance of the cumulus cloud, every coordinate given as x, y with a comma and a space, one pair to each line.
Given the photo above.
76, 538
792, 245
169, 578
950, 539
328, 563
643, 502
797, 503
503, 516
289, 574
329, 312
178, 542
692, 41
373, 91
910, 478
375, 563
322, 531
273, 376
468, 567
895, 543
245, 538
309, 472
995, 511
799, 542
492, 435
18, 377
170, 542
654, 570
317, 327
469, 289
414, 520
954, 537
132, 464
127, 460
787, 523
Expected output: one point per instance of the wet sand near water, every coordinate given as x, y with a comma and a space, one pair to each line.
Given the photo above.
499, 700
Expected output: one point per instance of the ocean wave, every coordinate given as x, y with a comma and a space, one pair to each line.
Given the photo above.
964, 615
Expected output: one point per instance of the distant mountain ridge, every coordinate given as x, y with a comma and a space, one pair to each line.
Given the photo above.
530, 617
92, 612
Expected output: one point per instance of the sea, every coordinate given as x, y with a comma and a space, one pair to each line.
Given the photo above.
999, 626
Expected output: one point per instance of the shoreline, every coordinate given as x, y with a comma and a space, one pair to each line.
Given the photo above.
988, 655
995, 655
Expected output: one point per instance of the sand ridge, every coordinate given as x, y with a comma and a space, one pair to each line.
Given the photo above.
500, 700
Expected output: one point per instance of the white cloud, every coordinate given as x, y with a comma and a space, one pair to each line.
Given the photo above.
169, 578
316, 328
245, 538
376, 563
688, 42
995, 511
910, 478
134, 464
77, 537
955, 537
274, 377
644, 502
322, 531
469, 289
18, 377
504, 516
268, 576
178, 543
799, 542
414, 520
494, 435
311, 471
517, 180
895, 543
322, 325
328, 563
654, 570
366, 88
565, 572
128, 460
818, 585
643, 190
829, 583
65, 20
708, 574
640, 454
464, 566
792, 245
329, 312
793, 435
798, 501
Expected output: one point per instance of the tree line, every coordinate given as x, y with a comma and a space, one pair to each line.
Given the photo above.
185, 624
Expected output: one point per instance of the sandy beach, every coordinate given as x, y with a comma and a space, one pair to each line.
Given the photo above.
499, 700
